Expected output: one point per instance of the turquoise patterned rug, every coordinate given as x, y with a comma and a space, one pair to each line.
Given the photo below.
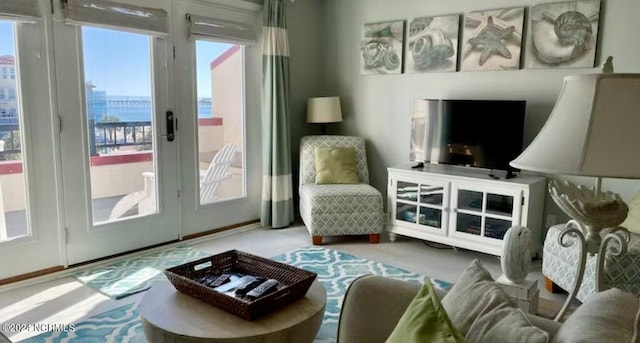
129, 276
336, 270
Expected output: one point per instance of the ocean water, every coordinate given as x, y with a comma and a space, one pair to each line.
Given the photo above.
144, 113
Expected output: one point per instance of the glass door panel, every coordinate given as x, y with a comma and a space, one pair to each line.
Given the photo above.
120, 110
406, 212
14, 209
470, 200
430, 217
432, 195
220, 121
496, 228
407, 191
469, 224
501, 205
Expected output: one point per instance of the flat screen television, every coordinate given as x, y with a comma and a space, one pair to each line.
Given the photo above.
476, 133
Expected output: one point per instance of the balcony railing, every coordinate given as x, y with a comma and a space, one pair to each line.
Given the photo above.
104, 136
119, 134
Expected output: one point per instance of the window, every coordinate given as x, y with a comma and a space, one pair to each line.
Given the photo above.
118, 96
12, 183
13, 73
220, 99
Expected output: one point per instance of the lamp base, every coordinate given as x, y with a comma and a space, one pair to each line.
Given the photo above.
592, 212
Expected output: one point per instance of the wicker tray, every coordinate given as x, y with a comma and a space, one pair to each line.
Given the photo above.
294, 282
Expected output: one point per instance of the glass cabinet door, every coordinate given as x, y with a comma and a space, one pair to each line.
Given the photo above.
421, 204
483, 214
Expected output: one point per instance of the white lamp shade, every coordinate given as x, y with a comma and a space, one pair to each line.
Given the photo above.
593, 130
324, 110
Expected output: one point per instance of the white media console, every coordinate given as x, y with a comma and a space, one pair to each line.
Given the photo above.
463, 207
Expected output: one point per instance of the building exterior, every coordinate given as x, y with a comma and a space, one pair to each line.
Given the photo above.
8, 90
96, 102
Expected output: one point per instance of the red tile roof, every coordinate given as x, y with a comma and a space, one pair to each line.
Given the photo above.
7, 59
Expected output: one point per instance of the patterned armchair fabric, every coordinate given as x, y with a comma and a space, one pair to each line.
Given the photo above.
559, 265
331, 210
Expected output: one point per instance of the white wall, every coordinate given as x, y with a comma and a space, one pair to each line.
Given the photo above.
378, 108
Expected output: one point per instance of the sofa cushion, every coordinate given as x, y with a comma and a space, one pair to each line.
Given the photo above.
473, 295
336, 165
505, 325
606, 317
425, 320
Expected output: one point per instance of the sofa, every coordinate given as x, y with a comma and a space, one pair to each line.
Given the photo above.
373, 305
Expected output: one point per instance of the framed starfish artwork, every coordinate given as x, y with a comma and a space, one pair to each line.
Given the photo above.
432, 44
492, 40
381, 48
563, 35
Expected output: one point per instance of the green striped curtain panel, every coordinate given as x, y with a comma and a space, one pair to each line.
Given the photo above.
277, 198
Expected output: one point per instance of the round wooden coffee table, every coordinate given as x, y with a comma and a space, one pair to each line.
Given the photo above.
170, 316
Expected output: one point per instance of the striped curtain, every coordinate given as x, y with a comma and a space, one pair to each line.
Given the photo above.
277, 198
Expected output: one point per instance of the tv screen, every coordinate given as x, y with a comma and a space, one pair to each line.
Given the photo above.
476, 133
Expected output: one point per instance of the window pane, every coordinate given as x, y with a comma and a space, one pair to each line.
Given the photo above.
13, 199
220, 106
118, 95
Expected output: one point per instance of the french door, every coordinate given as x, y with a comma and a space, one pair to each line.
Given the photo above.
119, 148
128, 124
29, 217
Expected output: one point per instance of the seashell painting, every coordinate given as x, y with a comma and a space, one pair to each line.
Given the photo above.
381, 48
432, 44
563, 35
492, 40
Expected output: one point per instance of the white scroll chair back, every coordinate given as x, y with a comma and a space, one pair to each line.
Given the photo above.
216, 173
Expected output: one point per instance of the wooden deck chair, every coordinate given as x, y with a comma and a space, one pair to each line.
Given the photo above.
209, 182
216, 173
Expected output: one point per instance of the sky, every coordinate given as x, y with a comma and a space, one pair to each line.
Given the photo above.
119, 62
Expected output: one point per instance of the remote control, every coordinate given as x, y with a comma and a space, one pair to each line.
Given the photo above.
247, 287
219, 281
264, 288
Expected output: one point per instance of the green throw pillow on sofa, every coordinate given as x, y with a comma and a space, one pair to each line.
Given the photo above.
425, 320
336, 165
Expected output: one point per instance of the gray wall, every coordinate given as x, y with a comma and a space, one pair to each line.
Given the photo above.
307, 67
378, 107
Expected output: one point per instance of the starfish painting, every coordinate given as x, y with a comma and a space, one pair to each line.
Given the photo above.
491, 39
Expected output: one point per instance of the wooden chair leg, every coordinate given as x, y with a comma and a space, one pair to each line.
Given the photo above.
374, 238
317, 240
551, 287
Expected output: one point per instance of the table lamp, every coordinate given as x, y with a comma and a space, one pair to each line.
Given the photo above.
593, 130
324, 110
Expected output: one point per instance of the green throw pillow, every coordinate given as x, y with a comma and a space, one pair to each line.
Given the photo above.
425, 320
336, 165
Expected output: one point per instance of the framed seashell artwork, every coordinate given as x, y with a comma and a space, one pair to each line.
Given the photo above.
382, 47
492, 39
563, 35
432, 44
